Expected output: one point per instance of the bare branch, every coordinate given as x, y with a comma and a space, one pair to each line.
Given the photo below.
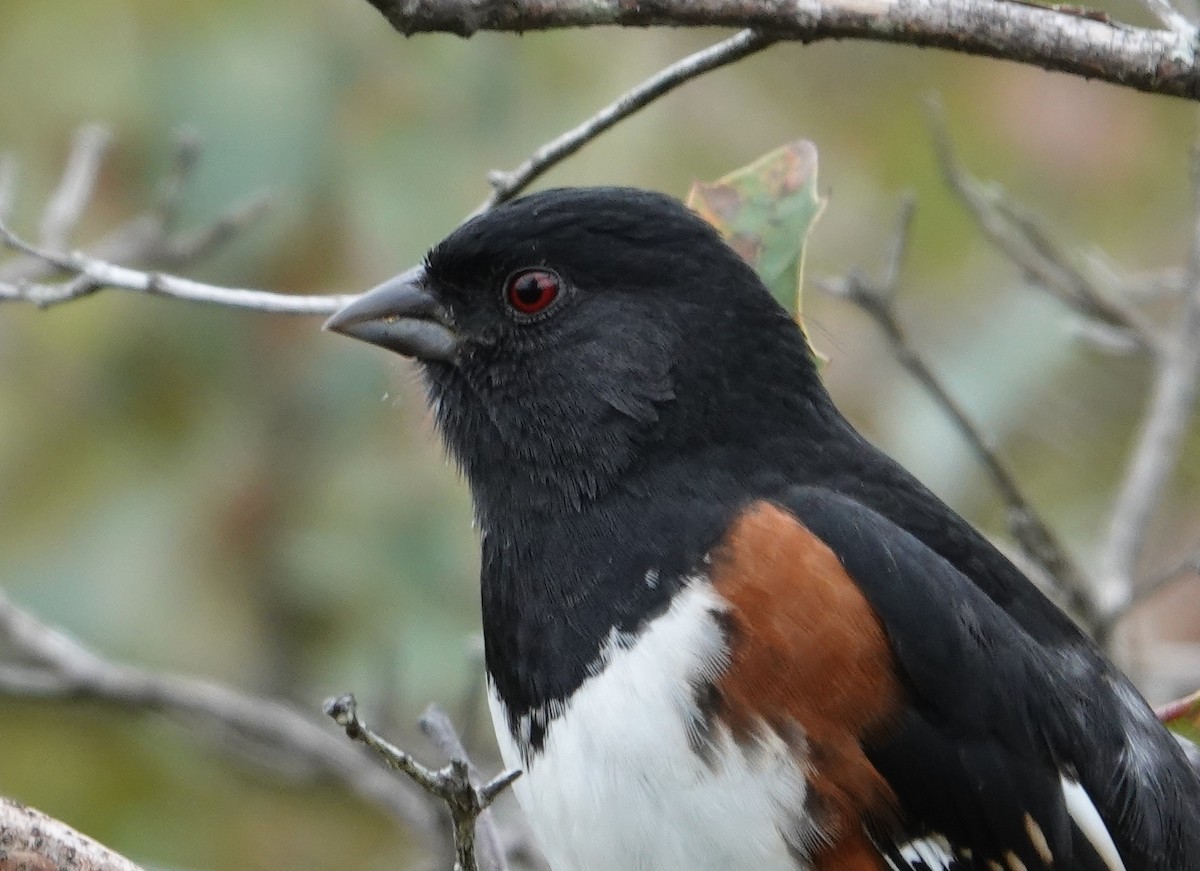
1020, 236
1064, 38
452, 784
91, 273
506, 185
54, 665
35, 841
1037, 541
1172, 403
67, 204
435, 723
150, 238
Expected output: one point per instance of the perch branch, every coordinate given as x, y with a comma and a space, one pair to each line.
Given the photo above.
30, 839
1034, 536
452, 784
1065, 38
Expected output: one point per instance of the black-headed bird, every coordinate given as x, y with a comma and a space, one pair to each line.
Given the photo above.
723, 632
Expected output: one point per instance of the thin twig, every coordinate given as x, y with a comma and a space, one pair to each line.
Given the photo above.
1037, 541
149, 238
91, 272
452, 784
1021, 237
435, 723
70, 199
51, 664
1159, 441
506, 185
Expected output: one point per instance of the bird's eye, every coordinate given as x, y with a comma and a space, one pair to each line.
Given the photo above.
531, 291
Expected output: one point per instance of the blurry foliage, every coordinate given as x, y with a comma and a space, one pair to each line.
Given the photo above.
240, 496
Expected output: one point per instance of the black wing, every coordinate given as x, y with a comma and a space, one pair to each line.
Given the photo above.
1010, 753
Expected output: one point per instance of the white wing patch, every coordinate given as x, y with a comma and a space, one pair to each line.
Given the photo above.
1087, 819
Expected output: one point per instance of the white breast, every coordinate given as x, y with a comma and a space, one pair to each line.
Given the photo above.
617, 787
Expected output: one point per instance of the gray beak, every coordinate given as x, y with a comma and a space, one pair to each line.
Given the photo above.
402, 316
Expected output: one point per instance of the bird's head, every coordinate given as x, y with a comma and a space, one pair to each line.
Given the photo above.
566, 334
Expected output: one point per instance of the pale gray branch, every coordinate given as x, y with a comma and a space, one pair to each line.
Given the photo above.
506, 185
91, 273
490, 852
30, 839
1063, 38
44, 662
70, 199
1159, 440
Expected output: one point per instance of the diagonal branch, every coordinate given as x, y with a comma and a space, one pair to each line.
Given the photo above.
506, 185
1021, 237
1032, 533
1065, 38
1159, 441
66, 205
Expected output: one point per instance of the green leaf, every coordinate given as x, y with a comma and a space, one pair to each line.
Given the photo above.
765, 212
1183, 716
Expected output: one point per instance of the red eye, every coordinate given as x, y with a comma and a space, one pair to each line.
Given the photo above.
532, 290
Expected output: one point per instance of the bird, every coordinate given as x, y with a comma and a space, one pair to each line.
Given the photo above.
722, 630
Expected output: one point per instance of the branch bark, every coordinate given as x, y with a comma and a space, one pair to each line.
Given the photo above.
32, 841
1033, 534
1067, 39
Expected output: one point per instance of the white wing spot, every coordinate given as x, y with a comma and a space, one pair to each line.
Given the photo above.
1085, 816
933, 852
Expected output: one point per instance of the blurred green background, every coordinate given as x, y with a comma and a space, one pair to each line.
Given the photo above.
239, 496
